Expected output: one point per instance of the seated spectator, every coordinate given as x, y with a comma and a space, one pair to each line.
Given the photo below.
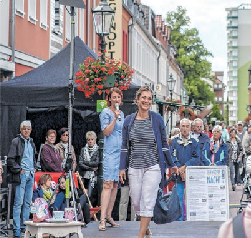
44, 190
60, 202
88, 162
49, 158
215, 150
62, 147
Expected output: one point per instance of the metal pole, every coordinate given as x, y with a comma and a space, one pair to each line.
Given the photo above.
13, 33
102, 47
171, 119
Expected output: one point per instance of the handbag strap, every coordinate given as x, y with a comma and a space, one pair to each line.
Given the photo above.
171, 178
238, 226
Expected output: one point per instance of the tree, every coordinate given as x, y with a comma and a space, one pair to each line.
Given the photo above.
216, 113
191, 55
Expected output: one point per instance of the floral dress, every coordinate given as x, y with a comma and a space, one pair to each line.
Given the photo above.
112, 145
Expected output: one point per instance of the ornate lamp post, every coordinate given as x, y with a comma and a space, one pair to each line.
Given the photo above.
103, 16
171, 83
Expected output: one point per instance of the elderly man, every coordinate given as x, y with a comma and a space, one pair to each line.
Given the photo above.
197, 134
215, 151
21, 164
185, 152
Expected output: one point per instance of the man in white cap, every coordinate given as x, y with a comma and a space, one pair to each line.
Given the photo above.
21, 164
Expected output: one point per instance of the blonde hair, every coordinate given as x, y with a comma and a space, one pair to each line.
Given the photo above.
91, 134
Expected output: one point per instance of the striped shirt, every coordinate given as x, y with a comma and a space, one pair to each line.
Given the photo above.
143, 153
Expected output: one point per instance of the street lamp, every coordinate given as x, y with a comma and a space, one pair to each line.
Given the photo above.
192, 104
171, 83
103, 16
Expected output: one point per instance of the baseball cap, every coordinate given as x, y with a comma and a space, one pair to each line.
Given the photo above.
240, 123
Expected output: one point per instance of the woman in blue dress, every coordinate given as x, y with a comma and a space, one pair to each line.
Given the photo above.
111, 124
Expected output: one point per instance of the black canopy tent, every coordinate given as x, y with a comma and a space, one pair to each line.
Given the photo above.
44, 89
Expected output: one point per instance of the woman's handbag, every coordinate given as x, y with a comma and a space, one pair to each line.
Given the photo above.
167, 207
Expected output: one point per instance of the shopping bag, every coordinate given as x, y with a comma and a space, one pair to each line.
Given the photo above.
167, 207
40, 210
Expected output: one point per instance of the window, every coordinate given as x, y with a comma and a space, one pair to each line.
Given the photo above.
57, 10
235, 73
43, 14
20, 8
235, 63
234, 43
234, 33
56, 22
235, 53
125, 47
32, 11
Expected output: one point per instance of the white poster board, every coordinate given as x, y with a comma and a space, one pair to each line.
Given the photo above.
207, 194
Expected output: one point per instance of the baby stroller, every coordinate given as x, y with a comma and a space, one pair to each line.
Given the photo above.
246, 186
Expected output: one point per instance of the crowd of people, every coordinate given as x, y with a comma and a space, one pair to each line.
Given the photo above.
137, 155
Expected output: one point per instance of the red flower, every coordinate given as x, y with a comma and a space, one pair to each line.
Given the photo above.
92, 59
87, 80
104, 51
122, 76
99, 92
107, 65
104, 77
101, 86
86, 64
93, 67
87, 86
98, 66
92, 89
110, 72
79, 88
107, 91
103, 69
78, 81
121, 87
87, 71
116, 84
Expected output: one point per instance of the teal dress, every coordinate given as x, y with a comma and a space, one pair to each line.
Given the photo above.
112, 145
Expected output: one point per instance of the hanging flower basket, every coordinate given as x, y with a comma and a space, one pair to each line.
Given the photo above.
94, 76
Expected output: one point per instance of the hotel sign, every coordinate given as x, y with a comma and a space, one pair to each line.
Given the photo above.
114, 40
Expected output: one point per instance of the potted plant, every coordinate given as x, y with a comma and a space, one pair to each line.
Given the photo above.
95, 76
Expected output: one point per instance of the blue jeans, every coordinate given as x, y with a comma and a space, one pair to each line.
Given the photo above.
23, 197
234, 173
180, 191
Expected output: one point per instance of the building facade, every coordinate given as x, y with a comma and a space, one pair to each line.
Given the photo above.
238, 59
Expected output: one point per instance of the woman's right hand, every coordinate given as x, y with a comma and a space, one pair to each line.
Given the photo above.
117, 113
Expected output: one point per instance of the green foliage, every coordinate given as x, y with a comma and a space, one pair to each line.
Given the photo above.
216, 113
191, 55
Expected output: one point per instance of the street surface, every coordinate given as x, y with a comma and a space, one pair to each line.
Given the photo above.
129, 229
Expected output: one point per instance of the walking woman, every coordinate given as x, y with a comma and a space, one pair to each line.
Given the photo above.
111, 124
145, 150
215, 150
235, 152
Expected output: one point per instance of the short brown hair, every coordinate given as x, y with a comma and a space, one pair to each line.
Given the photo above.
43, 179
51, 132
116, 90
142, 89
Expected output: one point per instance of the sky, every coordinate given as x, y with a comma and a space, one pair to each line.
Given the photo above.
209, 17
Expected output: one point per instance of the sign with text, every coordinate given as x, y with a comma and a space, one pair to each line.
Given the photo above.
207, 194
114, 40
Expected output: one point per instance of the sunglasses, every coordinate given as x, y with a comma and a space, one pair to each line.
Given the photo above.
65, 135
90, 139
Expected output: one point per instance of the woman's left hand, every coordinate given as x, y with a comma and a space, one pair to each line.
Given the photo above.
122, 176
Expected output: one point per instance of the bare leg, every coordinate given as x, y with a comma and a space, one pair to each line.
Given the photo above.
144, 222
112, 199
105, 200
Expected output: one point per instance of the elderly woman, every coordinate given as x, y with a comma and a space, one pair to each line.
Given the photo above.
49, 158
62, 147
235, 152
88, 162
207, 132
144, 148
111, 124
215, 150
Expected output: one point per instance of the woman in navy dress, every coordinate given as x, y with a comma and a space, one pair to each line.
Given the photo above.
111, 124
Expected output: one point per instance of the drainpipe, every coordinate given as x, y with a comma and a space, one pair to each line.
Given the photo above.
159, 50
130, 27
12, 43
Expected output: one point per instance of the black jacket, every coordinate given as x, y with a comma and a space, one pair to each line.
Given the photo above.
14, 159
85, 165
